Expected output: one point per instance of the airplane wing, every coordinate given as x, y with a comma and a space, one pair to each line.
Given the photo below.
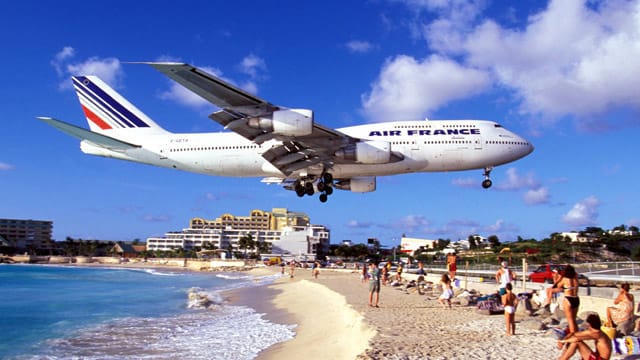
304, 143
86, 135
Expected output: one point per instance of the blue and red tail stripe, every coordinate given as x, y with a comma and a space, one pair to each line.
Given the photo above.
97, 97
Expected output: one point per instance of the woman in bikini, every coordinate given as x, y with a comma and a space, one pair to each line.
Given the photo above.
571, 302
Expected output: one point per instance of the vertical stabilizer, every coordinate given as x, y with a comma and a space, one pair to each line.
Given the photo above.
107, 112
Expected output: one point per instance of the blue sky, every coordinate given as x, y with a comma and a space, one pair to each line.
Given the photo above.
564, 74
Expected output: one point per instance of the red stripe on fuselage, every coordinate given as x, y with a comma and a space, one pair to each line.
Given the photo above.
95, 119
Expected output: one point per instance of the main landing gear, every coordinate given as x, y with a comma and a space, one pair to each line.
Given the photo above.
487, 182
324, 185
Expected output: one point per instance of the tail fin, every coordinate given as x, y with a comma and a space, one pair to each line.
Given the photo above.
107, 112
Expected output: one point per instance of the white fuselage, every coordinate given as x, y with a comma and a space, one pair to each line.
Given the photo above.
426, 146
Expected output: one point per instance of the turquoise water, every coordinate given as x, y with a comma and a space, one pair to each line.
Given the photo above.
60, 312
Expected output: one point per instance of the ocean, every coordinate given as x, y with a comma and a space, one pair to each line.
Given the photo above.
64, 312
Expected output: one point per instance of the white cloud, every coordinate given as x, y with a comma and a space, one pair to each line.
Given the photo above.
252, 65
583, 213
408, 89
184, 96
465, 182
355, 224
6, 167
108, 69
515, 181
358, 46
537, 196
411, 223
574, 57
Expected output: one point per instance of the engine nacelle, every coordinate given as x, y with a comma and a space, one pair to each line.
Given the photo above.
366, 152
288, 122
357, 184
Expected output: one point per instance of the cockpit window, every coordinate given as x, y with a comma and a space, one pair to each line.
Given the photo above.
497, 125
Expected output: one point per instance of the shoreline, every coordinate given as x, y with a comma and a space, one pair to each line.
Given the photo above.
333, 319
326, 325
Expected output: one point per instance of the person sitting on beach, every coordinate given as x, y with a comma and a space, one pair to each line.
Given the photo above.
552, 291
622, 310
447, 291
374, 284
510, 301
576, 342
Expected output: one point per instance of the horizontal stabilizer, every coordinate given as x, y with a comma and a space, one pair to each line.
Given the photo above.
84, 134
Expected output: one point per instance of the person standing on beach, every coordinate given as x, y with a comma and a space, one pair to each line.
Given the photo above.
571, 302
503, 277
292, 268
510, 301
399, 272
452, 267
316, 269
447, 291
364, 276
374, 284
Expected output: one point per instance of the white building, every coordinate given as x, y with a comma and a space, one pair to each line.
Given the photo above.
296, 240
410, 245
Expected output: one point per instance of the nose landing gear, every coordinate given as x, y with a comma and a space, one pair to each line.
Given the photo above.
487, 182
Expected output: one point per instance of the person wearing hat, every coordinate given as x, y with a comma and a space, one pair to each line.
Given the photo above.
504, 276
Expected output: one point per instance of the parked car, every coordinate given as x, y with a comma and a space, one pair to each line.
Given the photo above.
544, 274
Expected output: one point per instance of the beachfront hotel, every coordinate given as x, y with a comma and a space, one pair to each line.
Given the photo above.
26, 234
289, 233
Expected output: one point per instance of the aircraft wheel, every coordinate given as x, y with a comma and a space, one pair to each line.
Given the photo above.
327, 178
486, 184
323, 198
328, 190
300, 192
308, 188
321, 186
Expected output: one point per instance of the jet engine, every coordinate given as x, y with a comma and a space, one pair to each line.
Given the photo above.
366, 152
357, 184
288, 122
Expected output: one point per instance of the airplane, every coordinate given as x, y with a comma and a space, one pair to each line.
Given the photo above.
283, 145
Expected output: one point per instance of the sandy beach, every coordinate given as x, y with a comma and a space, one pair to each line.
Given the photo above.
335, 322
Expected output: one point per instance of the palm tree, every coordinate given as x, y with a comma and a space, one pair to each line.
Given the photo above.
246, 242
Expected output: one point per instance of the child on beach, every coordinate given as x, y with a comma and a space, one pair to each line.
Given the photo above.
510, 301
447, 291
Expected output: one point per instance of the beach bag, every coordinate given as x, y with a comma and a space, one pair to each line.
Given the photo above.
609, 330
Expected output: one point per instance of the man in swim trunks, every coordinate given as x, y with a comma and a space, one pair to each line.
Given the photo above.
576, 342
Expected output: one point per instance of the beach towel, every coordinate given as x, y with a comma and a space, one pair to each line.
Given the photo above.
627, 345
490, 305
